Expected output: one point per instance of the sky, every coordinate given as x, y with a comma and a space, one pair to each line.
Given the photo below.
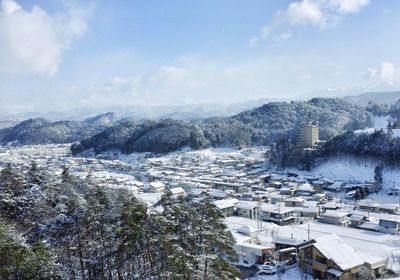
68, 54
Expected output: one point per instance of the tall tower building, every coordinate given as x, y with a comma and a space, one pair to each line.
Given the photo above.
309, 135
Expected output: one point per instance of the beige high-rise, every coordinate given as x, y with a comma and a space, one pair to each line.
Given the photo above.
309, 135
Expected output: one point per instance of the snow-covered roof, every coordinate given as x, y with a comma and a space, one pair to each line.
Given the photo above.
388, 206
310, 203
246, 205
149, 198
196, 192
366, 203
293, 241
306, 187
335, 249
225, 203
334, 214
294, 199
357, 217
217, 193
177, 190
373, 261
330, 204
157, 185
266, 207
241, 238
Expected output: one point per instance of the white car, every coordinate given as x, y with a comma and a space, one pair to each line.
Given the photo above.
267, 271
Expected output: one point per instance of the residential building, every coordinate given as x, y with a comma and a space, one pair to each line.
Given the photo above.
335, 218
330, 257
389, 225
247, 209
357, 219
178, 192
226, 206
294, 202
157, 186
277, 214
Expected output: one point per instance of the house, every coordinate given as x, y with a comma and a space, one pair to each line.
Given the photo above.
287, 191
294, 202
388, 208
277, 214
217, 194
331, 205
261, 195
368, 206
351, 194
320, 197
337, 186
305, 190
177, 192
306, 212
198, 193
329, 257
250, 254
287, 247
320, 183
226, 206
247, 196
276, 198
389, 225
275, 184
335, 218
156, 186
374, 266
357, 219
283, 242
310, 203
247, 209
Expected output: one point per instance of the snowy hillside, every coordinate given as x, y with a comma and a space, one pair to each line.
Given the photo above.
357, 170
380, 122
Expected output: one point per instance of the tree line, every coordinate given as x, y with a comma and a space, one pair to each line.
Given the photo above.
65, 227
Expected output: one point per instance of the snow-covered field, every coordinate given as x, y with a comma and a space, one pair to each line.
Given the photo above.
350, 169
379, 123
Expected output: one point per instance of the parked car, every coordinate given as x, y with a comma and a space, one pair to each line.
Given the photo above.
267, 271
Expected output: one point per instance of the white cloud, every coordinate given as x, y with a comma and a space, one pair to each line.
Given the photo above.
387, 74
348, 6
304, 13
193, 79
253, 42
314, 13
33, 42
282, 37
168, 76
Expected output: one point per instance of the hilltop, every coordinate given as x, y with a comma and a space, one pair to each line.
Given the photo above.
259, 126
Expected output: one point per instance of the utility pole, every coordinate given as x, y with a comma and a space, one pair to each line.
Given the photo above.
259, 218
308, 231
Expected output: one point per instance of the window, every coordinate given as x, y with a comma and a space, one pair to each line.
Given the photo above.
320, 259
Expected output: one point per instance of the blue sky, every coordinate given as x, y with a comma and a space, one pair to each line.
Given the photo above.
60, 55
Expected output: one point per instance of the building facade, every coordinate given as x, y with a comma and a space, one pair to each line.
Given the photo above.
309, 135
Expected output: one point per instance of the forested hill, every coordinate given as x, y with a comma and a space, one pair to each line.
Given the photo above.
42, 131
259, 126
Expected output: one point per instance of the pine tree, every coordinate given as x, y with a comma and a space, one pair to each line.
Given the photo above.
18, 260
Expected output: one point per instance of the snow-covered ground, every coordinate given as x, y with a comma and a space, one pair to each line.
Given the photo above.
234, 223
350, 169
379, 123
293, 273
